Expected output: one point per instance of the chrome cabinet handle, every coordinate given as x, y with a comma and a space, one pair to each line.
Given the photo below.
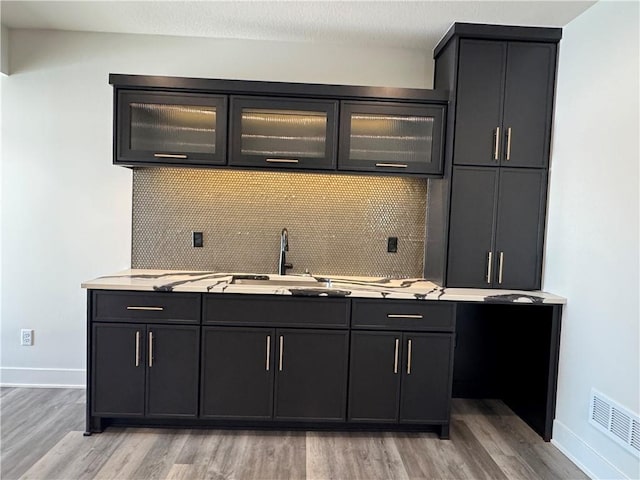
409, 357
268, 351
395, 359
137, 349
169, 155
150, 309
392, 165
281, 350
398, 315
151, 349
282, 160
489, 261
509, 143
501, 260
497, 144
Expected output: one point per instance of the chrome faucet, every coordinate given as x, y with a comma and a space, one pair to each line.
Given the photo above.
284, 247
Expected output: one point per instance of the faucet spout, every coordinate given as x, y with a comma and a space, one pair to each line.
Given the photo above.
284, 247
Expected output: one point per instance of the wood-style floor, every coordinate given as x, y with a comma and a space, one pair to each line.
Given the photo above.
41, 438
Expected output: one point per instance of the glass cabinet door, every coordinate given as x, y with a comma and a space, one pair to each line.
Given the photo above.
284, 133
163, 127
391, 138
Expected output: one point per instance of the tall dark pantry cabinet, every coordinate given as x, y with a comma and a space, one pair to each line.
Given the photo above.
486, 216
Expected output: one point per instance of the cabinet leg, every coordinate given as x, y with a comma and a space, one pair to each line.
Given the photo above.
444, 432
94, 425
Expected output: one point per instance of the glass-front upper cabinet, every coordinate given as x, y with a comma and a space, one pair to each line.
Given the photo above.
283, 133
391, 137
163, 127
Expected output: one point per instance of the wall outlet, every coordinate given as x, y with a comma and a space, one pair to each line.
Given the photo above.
392, 244
26, 337
197, 239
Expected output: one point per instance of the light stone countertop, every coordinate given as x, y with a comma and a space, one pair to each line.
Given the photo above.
351, 287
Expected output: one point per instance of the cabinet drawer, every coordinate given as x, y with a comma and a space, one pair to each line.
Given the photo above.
146, 307
275, 311
403, 315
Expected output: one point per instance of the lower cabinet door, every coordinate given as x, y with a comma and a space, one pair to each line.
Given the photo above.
426, 378
374, 376
311, 378
118, 366
237, 372
173, 358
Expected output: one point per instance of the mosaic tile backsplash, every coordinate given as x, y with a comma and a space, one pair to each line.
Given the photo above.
338, 224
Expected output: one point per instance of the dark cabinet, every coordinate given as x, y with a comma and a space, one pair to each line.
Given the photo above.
311, 380
403, 377
172, 370
242, 366
168, 127
237, 372
391, 137
118, 377
504, 103
283, 133
496, 229
374, 376
426, 378
145, 370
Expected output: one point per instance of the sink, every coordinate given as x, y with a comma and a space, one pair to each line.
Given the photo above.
302, 283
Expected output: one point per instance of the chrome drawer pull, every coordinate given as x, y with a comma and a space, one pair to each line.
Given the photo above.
281, 350
497, 144
151, 349
489, 267
169, 155
392, 165
399, 315
501, 260
395, 361
149, 309
137, 349
509, 143
268, 350
282, 160
409, 357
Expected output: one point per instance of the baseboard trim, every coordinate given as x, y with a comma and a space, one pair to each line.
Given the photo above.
43, 377
591, 462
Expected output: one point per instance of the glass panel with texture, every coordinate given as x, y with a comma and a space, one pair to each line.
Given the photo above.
391, 138
395, 138
283, 133
173, 128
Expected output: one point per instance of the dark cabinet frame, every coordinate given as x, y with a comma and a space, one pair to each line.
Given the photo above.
430, 165
275, 95
237, 158
124, 155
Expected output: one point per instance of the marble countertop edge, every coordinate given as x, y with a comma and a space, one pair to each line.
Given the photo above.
341, 286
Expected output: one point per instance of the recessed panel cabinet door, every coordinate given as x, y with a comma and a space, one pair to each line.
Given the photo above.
471, 229
528, 104
520, 228
118, 370
374, 376
311, 379
237, 372
173, 359
426, 378
479, 102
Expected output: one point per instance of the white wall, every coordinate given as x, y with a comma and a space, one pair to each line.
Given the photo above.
4, 50
66, 209
592, 235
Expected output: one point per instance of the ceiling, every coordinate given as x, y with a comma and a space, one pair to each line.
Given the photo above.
407, 24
